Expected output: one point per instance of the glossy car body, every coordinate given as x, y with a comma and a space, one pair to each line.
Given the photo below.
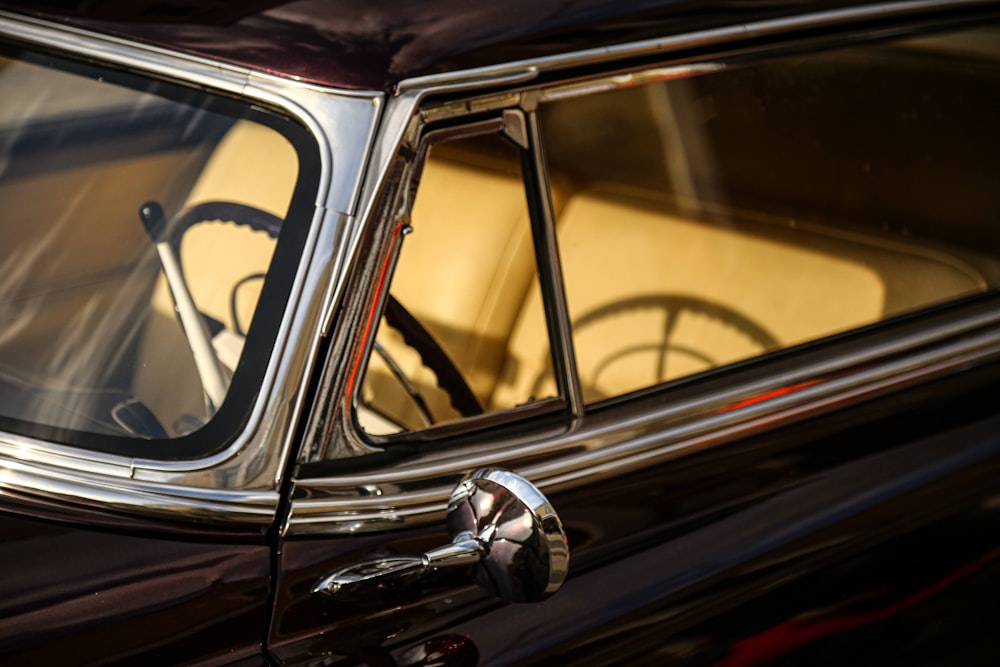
833, 502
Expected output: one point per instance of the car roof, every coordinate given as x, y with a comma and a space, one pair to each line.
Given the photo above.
375, 44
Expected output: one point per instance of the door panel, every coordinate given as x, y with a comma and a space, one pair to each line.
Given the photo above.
72, 594
856, 530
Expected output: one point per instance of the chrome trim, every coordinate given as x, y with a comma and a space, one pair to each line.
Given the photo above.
239, 484
550, 272
627, 80
390, 132
516, 129
418, 139
151, 59
470, 79
75, 487
512, 124
154, 60
415, 492
528, 69
401, 128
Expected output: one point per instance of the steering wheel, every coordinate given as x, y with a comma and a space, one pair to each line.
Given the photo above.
239, 214
672, 306
133, 416
414, 334
432, 356
225, 211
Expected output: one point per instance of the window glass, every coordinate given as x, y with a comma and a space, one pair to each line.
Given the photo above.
457, 295
712, 219
139, 221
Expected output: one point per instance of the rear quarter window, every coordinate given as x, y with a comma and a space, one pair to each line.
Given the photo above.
716, 218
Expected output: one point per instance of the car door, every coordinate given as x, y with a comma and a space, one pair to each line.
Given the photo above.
733, 314
85, 589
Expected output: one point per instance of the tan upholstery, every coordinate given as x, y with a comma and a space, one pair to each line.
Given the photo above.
255, 166
633, 269
797, 285
470, 233
486, 258
654, 294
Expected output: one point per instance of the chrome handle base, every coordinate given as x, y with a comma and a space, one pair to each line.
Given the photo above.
355, 580
502, 527
360, 577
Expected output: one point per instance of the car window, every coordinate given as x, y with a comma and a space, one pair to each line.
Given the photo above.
715, 218
463, 275
139, 223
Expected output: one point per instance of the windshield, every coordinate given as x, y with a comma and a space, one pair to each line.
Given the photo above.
139, 223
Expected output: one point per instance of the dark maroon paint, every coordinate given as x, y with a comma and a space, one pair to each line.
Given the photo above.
724, 557
366, 44
79, 595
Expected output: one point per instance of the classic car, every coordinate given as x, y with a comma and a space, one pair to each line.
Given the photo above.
584, 332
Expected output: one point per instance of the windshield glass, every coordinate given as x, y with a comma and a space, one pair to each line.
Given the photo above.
139, 223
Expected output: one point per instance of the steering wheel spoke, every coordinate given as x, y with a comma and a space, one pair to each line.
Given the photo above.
433, 357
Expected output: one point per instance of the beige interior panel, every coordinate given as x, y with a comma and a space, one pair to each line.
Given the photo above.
253, 165
464, 273
470, 233
796, 285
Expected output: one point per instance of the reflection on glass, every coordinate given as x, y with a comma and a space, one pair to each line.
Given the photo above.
90, 334
713, 219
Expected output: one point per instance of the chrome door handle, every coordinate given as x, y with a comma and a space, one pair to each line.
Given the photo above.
501, 526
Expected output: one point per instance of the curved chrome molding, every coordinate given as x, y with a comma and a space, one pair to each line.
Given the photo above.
525, 70
415, 492
240, 483
96, 491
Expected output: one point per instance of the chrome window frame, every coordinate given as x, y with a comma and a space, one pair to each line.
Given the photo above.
386, 240
657, 426
240, 484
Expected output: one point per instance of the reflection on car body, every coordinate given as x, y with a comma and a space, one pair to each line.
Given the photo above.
328, 332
